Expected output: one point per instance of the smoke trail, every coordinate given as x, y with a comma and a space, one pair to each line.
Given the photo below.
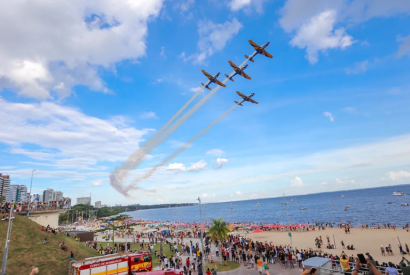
121, 173
176, 153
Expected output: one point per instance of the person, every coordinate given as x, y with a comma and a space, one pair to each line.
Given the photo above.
344, 261
370, 265
45, 241
214, 270
382, 250
343, 244
71, 256
405, 269
310, 271
299, 257
208, 272
266, 267
391, 270
260, 268
290, 259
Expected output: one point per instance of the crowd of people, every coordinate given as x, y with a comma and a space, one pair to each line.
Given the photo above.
34, 206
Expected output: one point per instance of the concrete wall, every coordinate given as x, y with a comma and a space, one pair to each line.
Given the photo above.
45, 218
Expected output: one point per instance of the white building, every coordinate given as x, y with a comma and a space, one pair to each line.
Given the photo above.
98, 204
4, 186
51, 195
17, 193
84, 200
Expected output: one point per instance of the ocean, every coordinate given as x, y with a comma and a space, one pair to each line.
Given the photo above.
366, 205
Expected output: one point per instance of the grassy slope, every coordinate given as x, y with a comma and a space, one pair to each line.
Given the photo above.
27, 249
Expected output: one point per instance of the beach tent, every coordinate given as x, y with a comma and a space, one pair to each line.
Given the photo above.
102, 225
323, 265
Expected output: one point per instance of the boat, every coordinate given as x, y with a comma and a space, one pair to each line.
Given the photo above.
390, 202
258, 204
398, 194
347, 205
303, 208
404, 204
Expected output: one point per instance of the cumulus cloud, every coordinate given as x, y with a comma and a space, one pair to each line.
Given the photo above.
49, 46
146, 115
236, 5
213, 38
215, 152
180, 167
62, 135
358, 68
318, 35
239, 193
329, 115
296, 182
220, 162
398, 175
97, 183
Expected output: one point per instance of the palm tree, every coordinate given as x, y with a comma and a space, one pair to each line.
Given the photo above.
219, 231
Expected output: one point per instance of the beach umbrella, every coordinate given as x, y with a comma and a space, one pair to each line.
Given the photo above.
257, 231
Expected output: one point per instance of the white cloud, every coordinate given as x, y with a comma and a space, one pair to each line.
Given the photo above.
55, 45
195, 89
318, 35
236, 5
404, 47
162, 52
63, 134
239, 193
215, 152
213, 38
340, 181
398, 175
205, 195
147, 115
349, 109
296, 182
220, 162
358, 68
323, 183
97, 183
329, 115
180, 167
213, 195
254, 196
184, 6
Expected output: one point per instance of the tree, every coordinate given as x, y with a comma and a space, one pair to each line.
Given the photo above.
219, 231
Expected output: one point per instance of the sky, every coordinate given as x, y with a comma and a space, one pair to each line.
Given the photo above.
84, 84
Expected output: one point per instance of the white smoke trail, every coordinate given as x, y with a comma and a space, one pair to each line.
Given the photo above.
186, 145
118, 177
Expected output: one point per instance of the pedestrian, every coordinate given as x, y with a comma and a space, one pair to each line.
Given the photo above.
71, 256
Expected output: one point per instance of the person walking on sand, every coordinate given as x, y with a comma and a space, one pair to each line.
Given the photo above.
259, 263
391, 251
266, 268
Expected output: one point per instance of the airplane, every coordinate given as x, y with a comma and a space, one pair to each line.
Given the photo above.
245, 98
259, 49
212, 79
238, 71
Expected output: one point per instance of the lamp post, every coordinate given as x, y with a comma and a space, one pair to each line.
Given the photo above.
29, 198
6, 247
287, 216
202, 238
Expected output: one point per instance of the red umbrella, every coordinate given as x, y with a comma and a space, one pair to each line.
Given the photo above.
257, 231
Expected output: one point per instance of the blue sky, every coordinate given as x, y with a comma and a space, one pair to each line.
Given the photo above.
83, 86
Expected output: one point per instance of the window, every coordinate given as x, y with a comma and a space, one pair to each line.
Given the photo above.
137, 260
147, 258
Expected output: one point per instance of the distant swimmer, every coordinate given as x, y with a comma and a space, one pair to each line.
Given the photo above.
345, 209
333, 204
342, 196
258, 204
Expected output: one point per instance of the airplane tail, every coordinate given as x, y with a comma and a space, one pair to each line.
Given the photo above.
202, 84
249, 59
231, 79
237, 103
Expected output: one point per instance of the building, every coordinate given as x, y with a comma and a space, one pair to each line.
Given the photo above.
98, 204
36, 198
17, 193
84, 200
4, 186
51, 195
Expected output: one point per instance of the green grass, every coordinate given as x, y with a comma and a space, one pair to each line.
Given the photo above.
27, 249
136, 246
221, 268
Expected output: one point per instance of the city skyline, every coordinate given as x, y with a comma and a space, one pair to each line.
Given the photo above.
332, 113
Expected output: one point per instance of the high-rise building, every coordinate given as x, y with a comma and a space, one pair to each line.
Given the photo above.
4, 186
98, 204
84, 200
51, 195
17, 193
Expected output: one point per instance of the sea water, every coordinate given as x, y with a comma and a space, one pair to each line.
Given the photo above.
366, 206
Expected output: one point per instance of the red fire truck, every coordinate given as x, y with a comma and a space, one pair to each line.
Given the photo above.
116, 264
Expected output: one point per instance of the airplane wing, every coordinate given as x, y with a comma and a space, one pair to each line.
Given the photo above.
253, 101
206, 74
265, 53
254, 45
233, 65
219, 83
245, 75
241, 95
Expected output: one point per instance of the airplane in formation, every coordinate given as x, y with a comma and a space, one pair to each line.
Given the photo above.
238, 71
245, 98
212, 79
258, 50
